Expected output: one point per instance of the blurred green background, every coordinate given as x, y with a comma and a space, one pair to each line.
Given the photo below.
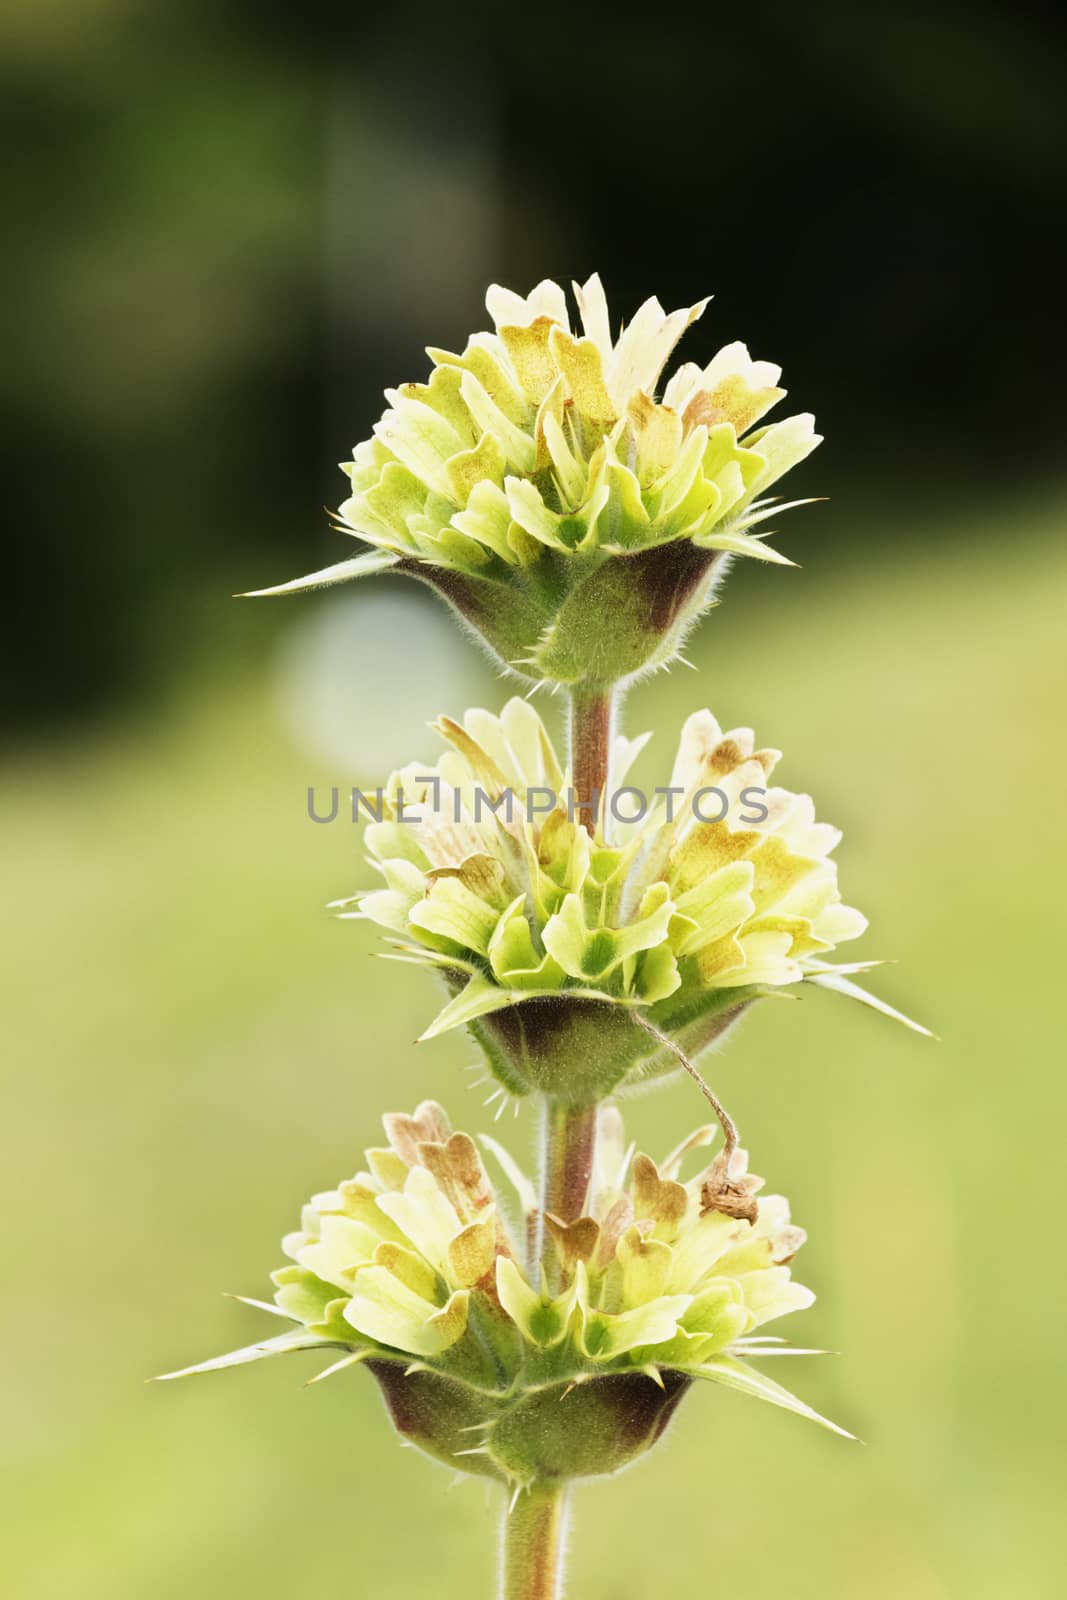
225, 235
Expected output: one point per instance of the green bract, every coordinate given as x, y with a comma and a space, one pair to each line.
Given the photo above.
413, 1267
577, 523
554, 941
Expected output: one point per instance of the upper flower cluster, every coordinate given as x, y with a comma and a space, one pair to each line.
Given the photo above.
414, 1266
725, 889
537, 475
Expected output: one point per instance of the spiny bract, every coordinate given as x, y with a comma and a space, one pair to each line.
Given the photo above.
577, 522
413, 1267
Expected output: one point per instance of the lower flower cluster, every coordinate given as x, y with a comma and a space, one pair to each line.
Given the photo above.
417, 1267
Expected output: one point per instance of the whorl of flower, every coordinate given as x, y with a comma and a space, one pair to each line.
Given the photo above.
535, 480
491, 877
413, 1267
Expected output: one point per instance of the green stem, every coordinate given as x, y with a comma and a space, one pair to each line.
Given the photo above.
532, 1544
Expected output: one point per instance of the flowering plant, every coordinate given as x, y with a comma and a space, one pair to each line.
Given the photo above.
538, 1332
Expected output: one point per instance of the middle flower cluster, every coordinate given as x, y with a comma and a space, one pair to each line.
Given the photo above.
552, 938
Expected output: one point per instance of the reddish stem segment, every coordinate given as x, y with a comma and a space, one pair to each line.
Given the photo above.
570, 1145
592, 716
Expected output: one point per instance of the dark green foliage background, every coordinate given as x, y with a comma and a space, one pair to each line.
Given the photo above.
226, 233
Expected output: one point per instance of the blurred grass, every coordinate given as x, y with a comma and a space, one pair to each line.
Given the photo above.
195, 1047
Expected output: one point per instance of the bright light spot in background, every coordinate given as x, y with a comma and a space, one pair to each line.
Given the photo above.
361, 674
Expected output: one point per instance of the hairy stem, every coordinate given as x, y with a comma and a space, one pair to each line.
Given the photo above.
532, 1544
568, 1146
591, 732
567, 1158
